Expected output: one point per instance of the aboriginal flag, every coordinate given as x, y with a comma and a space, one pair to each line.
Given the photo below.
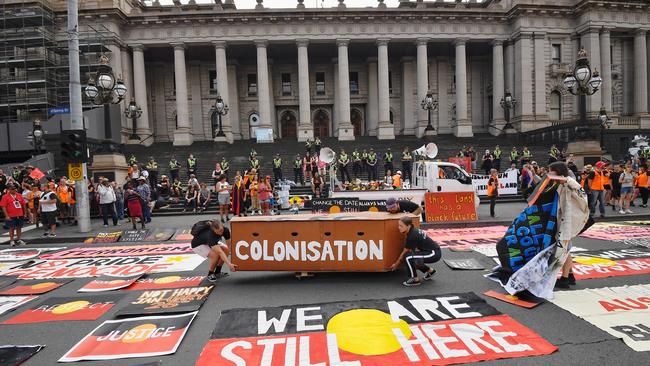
6, 281
129, 338
16, 355
33, 287
109, 283
67, 308
179, 300
165, 281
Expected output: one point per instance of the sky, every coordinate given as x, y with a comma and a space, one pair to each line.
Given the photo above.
249, 4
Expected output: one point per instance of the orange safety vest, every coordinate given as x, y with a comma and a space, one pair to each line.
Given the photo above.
491, 188
597, 182
397, 181
62, 193
642, 180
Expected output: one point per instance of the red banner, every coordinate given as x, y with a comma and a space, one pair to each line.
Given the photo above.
34, 287
109, 283
160, 282
67, 308
611, 263
450, 206
121, 251
466, 163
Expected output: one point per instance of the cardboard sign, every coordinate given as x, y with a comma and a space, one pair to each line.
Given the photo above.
403, 331
334, 205
464, 162
160, 234
466, 263
115, 266
528, 302
32, 287
623, 312
610, 263
363, 241
8, 303
180, 300
67, 308
450, 206
14, 255
136, 337
121, 251
507, 183
16, 355
165, 281
109, 283
108, 237
134, 235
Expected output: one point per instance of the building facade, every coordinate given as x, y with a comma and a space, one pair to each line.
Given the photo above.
347, 72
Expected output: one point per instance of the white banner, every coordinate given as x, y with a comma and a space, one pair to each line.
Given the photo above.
623, 312
507, 183
11, 302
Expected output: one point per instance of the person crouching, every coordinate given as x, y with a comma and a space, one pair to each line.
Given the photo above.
419, 249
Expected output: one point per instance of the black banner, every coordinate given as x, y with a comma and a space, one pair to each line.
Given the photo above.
6, 281
134, 235
178, 300
16, 355
160, 234
372, 205
467, 263
334, 205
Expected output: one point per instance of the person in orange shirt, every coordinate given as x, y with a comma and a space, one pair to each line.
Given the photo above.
493, 190
397, 180
596, 184
64, 208
32, 204
642, 184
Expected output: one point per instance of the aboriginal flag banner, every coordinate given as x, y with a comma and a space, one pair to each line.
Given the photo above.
33, 287
179, 300
129, 338
6, 281
165, 281
67, 308
109, 283
16, 355
420, 330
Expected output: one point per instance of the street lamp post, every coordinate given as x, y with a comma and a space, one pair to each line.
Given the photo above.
429, 104
582, 81
104, 89
605, 124
37, 134
508, 102
222, 109
133, 111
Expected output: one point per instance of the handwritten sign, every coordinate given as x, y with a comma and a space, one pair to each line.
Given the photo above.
465, 162
450, 206
334, 205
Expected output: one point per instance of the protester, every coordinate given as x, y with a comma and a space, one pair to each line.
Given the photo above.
419, 249
32, 204
119, 199
47, 208
204, 197
596, 183
216, 175
317, 185
145, 192
265, 193
493, 190
64, 201
223, 197
307, 166
486, 163
388, 179
192, 181
238, 196
191, 198
642, 183
626, 179
393, 205
615, 196
13, 208
134, 204
107, 199
252, 193
211, 242
397, 180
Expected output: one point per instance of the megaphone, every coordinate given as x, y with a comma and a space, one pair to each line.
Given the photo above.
429, 150
327, 155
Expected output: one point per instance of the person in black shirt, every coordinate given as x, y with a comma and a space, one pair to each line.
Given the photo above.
419, 249
616, 186
211, 243
394, 205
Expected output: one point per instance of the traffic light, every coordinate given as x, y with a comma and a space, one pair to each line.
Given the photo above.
73, 146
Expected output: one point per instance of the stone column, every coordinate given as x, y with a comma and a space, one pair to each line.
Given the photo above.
606, 72
372, 112
409, 116
127, 75
183, 132
497, 86
334, 131
575, 45
386, 130
140, 90
422, 85
540, 77
346, 131
305, 125
591, 42
640, 74
523, 82
463, 126
510, 67
263, 93
223, 88
234, 102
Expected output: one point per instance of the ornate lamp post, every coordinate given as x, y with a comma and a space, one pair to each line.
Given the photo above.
583, 81
37, 134
133, 111
222, 109
104, 89
605, 124
429, 104
508, 102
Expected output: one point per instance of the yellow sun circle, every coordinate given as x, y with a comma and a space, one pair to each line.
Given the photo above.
367, 332
594, 261
373, 209
139, 333
335, 209
39, 286
168, 279
115, 282
70, 307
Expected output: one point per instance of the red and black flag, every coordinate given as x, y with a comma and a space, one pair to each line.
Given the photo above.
179, 300
33, 287
6, 281
109, 283
611, 263
16, 355
134, 337
420, 330
67, 308
165, 281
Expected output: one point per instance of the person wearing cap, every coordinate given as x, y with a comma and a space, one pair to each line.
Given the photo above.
419, 249
13, 208
596, 183
393, 205
145, 193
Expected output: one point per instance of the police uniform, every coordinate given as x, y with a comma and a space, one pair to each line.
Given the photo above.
356, 163
344, 160
152, 168
277, 168
174, 166
297, 171
497, 158
372, 166
407, 158
388, 161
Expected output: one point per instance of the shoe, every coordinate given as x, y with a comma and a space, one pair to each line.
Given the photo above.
629, 211
572, 279
642, 205
212, 278
52, 235
563, 282
12, 243
429, 275
20, 242
221, 275
632, 204
412, 282
47, 233
602, 216
105, 225
622, 212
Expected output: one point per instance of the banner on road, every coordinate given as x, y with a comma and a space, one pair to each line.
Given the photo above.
136, 337
67, 308
160, 234
623, 312
134, 235
33, 287
23, 254
616, 232
165, 281
93, 267
405, 331
180, 300
121, 251
8, 303
107, 237
488, 235
16, 355
466, 263
109, 283
183, 235
611, 263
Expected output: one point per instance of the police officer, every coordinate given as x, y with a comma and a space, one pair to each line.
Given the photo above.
174, 167
132, 160
388, 161
526, 156
553, 155
356, 163
308, 144
407, 159
372, 165
191, 165
277, 168
297, 170
152, 167
514, 156
224, 166
364, 162
254, 163
344, 161
496, 153
317, 145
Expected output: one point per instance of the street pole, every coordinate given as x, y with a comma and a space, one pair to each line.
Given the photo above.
76, 112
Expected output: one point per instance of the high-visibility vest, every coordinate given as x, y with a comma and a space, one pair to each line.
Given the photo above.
343, 160
297, 163
642, 180
406, 156
527, 154
152, 166
62, 193
277, 162
597, 184
397, 181
514, 155
356, 156
497, 153
388, 157
191, 163
224, 165
491, 187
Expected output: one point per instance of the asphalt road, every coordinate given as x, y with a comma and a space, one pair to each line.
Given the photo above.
579, 342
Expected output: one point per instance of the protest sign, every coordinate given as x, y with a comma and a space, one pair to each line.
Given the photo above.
179, 300
372, 205
403, 331
15, 355
8, 303
611, 263
121, 251
165, 281
623, 312
466, 263
507, 183
464, 162
135, 337
160, 234
134, 235
488, 235
528, 303
107, 237
616, 232
67, 308
109, 283
23, 254
33, 287
334, 205
449, 206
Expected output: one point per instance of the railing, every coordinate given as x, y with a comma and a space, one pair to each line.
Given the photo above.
563, 133
628, 121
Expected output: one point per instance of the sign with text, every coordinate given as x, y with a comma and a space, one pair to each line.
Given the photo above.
109, 283
450, 206
33, 287
165, 281
108, 237
67, 308
134, 235
75, 171
121, 251
464, 162
611, 263
507, 183
179, 300
334, 205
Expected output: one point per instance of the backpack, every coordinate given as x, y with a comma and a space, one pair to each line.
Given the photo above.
200, 227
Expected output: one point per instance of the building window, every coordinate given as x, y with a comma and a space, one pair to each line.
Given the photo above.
556, 54
354, 82
556, 106
252, 85
320, 83
286, 84
390, 82
213, 81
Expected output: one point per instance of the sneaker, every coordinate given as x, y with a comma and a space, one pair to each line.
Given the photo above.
572, 279
47, 233
563, 282
20, 242
629, 211
602, 216
622, 212
221, 274
212, 278
412, 282
105, 225
12, 243
429, 275
641, 205
52, 235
